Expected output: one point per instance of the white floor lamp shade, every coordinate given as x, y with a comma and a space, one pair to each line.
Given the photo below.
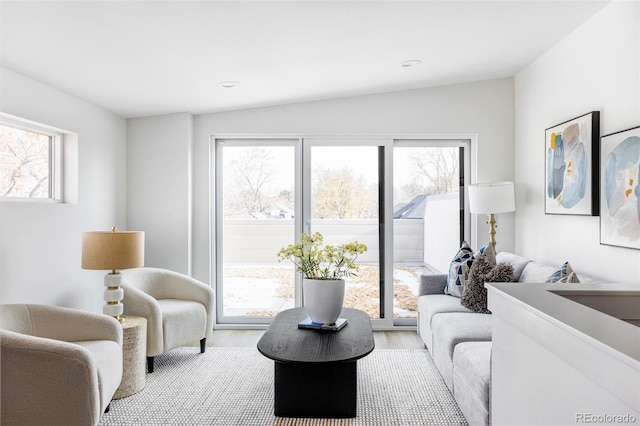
492, 198
113, 250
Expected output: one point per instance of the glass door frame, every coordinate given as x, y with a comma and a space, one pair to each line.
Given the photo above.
464, 143
217, 218
385, 230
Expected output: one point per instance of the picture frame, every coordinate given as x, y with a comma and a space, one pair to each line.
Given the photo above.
620, 189
572, 166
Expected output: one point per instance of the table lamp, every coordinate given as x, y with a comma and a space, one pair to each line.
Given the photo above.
113, 250
492, 198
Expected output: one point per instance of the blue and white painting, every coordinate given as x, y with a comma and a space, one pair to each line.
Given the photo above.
620, 203
569, 172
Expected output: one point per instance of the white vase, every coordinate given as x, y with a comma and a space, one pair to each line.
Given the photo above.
323, 299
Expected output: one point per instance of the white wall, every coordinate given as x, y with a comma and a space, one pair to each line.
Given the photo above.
485, 109
439, 247
595, 68
159, 188
40, 244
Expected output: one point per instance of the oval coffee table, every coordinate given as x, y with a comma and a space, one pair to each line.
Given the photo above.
316, 370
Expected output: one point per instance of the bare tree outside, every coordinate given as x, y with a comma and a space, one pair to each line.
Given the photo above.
24, 161
341, 194
434, 171
254, 171
439, 168
253, 187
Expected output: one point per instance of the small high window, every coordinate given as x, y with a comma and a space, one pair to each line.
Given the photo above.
30, 160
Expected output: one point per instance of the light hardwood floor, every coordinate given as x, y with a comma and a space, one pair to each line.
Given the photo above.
248, 338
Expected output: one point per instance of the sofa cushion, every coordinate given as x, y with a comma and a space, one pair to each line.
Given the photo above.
438, 304
472, 380
536, 272
449, 329
588, 279
433, 304
482, 271
518, 262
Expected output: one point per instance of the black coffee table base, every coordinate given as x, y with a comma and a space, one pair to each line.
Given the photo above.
316, 372
320, 390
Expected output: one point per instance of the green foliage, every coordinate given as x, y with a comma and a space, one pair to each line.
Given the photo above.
322, 263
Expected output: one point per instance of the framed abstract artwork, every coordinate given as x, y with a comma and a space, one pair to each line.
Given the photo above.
571, 161
619, 189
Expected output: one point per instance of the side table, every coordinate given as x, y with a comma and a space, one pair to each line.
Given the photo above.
134, 355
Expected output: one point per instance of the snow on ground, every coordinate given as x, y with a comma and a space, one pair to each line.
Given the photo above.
246, 293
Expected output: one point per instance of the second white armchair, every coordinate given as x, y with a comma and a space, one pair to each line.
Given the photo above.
179, 309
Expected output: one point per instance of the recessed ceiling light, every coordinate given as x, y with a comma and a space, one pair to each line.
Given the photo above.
410, 63
229, 84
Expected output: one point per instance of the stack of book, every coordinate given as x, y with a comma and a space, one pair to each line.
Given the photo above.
307, 323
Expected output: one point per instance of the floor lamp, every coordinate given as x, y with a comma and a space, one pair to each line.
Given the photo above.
490, 199
113, 250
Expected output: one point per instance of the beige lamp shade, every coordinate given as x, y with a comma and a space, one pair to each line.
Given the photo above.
112, 250
488, 198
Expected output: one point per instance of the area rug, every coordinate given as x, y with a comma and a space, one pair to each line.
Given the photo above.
234, 386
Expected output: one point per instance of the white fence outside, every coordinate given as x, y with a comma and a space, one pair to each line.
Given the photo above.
433, 240
258, 241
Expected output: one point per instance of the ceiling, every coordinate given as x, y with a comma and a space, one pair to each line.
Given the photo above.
140, 58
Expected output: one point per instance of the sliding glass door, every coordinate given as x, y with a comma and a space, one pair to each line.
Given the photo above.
403, 198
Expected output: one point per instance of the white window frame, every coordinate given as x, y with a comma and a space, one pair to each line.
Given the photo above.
55, 158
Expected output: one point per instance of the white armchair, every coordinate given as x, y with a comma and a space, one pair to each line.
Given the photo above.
57, 365
179, 309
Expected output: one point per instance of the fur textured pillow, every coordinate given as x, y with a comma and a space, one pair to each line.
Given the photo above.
483, 271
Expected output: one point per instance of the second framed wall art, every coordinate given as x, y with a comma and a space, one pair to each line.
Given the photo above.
572, 166
620, 168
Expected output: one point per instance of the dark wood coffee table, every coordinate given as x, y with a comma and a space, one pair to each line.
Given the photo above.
316, 371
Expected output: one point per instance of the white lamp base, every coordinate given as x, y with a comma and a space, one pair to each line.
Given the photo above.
113, 295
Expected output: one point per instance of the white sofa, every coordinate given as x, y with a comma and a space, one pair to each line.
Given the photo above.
58, 366
459, 340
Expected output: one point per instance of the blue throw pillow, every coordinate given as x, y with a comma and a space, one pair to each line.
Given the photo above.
459, 270
461, 265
